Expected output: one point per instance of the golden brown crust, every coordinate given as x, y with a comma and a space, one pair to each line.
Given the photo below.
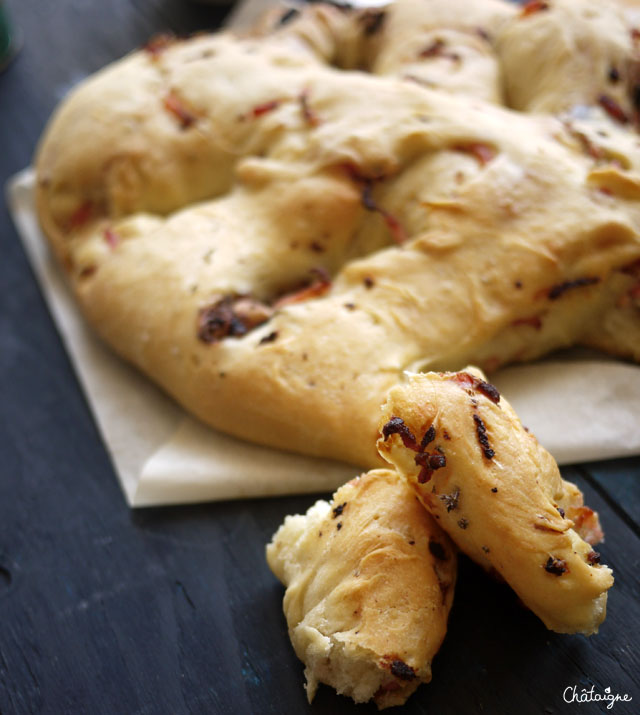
370, 580
202, 172
498, 494
567, 55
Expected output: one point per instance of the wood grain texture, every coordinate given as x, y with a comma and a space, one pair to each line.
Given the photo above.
617, 480
174, 610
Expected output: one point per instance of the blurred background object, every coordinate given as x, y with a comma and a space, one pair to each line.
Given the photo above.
8, 43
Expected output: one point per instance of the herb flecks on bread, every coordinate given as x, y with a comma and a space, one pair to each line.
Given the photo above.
274, 227
370, 580
499, 495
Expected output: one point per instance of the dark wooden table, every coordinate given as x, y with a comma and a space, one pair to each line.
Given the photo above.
105, 610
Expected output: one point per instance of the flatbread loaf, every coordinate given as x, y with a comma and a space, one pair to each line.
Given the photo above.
498, 494
370, 579
275, 227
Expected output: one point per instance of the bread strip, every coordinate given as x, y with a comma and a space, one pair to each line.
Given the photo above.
498, 494
370, 580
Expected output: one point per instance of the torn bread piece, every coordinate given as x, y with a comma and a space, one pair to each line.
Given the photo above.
370, 580
498, 494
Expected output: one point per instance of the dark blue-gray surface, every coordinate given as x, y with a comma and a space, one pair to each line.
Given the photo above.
174, 610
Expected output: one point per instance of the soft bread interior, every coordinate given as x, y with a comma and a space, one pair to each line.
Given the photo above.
369, 580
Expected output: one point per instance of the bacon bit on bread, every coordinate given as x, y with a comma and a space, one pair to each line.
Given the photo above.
176, 106
158, 44
111, 237
315, 289
482, 152
80, 216
532, 7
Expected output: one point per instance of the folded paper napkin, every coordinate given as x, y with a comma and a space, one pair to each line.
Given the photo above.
580, 410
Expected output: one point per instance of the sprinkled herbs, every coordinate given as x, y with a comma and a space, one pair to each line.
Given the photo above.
593, 558
269, 338
428, 437
471, 383
401, 670
560, 289
288, 15
481, 432
451, 500
339, 509
488, 390
395, 228
556, 566
432, 461
396, 425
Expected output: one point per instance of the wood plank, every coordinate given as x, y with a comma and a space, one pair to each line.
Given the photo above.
177, 608
618, 481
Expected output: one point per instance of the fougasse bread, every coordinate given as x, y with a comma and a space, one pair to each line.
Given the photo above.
498, 494
275, 227
370, 580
